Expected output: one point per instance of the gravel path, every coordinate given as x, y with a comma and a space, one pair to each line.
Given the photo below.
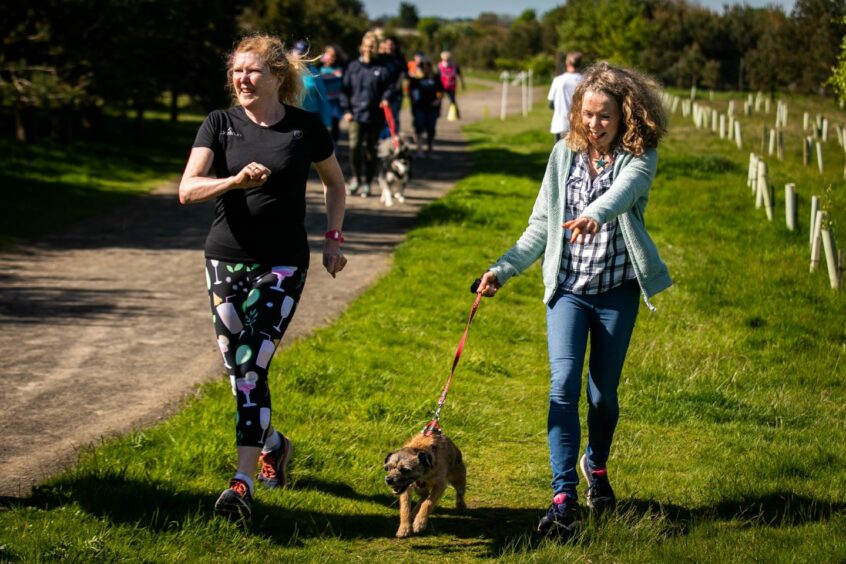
106, 326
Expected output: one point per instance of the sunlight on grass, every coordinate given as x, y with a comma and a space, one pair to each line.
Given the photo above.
729, 444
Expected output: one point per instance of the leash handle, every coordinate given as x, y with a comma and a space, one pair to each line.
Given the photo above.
433, 426
392, 126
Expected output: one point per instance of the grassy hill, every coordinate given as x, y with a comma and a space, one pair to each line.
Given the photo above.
730, 443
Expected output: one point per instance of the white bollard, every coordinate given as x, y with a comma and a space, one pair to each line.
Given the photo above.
815, 206
761, 184
821, 218
722, 126
737, 138
831, 258
504, 103
790, 206
752, 171
819, 157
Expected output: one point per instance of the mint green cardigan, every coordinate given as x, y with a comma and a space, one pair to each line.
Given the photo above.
625, 200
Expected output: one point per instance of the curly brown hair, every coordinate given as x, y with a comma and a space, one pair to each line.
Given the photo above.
286, 65
644, 120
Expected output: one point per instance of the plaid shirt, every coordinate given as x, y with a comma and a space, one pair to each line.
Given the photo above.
596, 267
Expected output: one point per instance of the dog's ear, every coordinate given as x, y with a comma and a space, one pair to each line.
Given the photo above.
425, 459
387, 458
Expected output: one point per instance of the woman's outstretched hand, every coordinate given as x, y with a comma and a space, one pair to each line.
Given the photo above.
488, 285
580, 227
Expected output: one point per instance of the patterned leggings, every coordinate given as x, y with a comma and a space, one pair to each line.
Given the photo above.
252, 306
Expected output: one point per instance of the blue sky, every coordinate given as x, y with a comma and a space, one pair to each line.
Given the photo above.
471, 8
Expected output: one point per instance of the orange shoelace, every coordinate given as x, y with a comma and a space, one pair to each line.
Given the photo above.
268, 466
239, 487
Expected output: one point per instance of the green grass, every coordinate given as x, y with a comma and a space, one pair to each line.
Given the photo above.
46, 185
729, 446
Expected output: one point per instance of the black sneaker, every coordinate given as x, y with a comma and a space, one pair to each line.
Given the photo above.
235, 502
600, 496
274, 463
562, 517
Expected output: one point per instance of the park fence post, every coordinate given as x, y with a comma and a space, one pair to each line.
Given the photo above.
790, 205
767, 192
752, 171
815, 207
815, 242
831, 258
780, 145
819, 157
531, 82
737, 136
771, 146
504, 103
760, 184
722, 126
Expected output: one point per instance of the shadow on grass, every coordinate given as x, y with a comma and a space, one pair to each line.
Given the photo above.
777, 509
159, 507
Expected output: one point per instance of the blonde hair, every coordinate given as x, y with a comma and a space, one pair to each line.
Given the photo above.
643, 119
287, 66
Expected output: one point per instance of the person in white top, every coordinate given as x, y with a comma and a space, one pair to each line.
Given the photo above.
561, 95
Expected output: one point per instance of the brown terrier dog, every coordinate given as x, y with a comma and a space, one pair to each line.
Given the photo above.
428, 463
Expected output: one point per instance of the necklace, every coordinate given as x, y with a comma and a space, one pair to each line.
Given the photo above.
601, 162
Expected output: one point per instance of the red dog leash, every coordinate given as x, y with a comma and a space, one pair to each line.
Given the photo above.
432, 427
392, 125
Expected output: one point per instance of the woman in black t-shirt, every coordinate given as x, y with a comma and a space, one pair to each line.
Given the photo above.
260, 151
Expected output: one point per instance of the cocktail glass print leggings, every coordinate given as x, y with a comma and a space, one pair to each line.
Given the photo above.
252, 305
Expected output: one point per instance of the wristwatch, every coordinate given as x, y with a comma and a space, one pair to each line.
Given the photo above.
335, 235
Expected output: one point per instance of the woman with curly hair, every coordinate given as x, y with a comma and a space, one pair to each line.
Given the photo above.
587, 223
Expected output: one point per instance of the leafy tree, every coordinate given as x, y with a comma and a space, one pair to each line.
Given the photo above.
408, 16
525, 37
605, 29
837, 80
813, 41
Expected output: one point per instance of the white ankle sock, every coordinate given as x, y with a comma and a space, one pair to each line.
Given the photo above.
246, 479
272, 442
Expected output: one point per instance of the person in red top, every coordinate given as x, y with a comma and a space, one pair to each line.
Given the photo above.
450, 75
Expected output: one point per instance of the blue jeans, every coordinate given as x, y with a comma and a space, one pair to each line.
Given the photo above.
609, 319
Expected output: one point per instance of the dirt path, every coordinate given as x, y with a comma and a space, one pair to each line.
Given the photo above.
106, 326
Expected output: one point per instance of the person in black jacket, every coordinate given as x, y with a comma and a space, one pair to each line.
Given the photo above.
367, 89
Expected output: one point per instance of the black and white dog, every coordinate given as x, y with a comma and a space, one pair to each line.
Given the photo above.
394, 171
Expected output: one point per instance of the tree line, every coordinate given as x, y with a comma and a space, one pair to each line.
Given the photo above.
66, 63
681, 43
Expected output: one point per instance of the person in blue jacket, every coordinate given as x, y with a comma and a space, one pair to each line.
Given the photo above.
366, 90
315, 97
588, 225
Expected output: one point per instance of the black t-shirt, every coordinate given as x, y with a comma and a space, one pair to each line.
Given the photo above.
264, 224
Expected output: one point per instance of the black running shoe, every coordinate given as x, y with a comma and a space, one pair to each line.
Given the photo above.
562, 517
235, 502
600, 496
274, 464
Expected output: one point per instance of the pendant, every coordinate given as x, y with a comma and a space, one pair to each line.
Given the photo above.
601, 162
